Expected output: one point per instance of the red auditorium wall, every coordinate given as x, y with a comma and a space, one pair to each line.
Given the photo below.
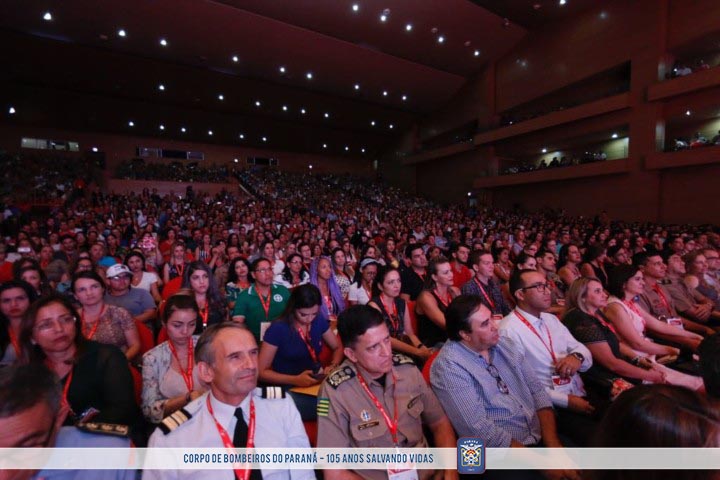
645, 33
119, 148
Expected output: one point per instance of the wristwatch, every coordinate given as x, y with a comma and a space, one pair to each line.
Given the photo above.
579, 356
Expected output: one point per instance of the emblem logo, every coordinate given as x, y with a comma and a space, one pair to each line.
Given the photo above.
471, 455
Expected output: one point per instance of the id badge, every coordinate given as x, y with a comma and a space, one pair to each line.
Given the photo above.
402, 472
561, 384
263, 328
675, 322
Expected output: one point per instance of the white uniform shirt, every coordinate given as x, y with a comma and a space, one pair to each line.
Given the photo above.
277, 425
538, 354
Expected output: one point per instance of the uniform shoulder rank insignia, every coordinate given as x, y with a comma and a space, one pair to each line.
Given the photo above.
271, 392
104, 428
323, 407
173, 421
400, 359
340, 375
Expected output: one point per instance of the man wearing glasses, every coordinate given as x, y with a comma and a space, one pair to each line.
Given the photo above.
554, 355
488, 389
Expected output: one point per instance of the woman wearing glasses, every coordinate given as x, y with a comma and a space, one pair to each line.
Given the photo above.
95, 378
294, 274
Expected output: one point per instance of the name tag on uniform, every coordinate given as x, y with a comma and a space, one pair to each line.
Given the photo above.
675, 322
561, 384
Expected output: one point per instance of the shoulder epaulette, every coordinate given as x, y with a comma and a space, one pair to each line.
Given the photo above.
340, 375
173, 421
271, 392
104, 428
400, 359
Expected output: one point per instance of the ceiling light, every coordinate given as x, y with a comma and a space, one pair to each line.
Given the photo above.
383, 17
242, 136
441, 39
284, 108
163, 42
257, 103
121, 33
282, 69
302, 110
563, 2
235, 58
614, 135
357, 86
544, 150
324, 146
264, 139
408, 27
210, 132
355, 7
391, 126
326, 115
47, 17
221, 97
372, 123
131, 123
310, 167
235, 160
688, 112
603, 15
309, 75
347, 149
385, 93
476, 53
11, 110
183, 129
362, 150
95, 149
404, 98
162, 127
161, 87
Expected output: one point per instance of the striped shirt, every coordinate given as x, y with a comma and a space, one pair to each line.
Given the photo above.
474, 403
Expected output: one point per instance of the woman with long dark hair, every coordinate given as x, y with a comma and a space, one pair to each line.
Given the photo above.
294, 274
211, 304
238, 280
434, 300
15, 299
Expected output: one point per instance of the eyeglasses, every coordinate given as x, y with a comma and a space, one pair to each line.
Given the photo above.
540, 287
501, 385
263, 270
50, 323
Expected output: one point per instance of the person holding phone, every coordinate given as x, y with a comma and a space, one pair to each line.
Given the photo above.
290, 352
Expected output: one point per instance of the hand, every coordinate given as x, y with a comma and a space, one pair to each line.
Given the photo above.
423, 352
561, 475
568, 366
195, 394
580, 405
328, 370
306, 379
657, 375
672, 351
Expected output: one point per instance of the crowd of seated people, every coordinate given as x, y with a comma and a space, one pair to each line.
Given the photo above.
698, 140
563, 161
175, 171
562, 313
682, 69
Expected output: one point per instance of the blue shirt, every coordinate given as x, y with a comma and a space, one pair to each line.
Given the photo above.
292, 356
475, 405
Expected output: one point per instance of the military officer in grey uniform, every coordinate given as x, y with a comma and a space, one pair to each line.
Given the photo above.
227, 354
377, 399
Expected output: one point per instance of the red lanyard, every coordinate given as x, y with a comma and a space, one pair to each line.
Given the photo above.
89, 335
307, 340
479, 284
244, 472
394, 318
631, 305
422, 277
602, 321
14, 340
448, 298
265, 305
179, 269
532, 329
367, 292
663, 298
329, 304
204, 312
187, 374
391, 424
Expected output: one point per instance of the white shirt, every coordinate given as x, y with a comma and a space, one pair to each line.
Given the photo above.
358, 294
278, 425
538, 355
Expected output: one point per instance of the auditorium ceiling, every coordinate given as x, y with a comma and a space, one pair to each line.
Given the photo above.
340, 77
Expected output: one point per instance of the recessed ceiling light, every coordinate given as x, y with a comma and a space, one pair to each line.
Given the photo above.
163, 42
324, 146
302, 110
183, 129
441, 39
221, 97
688, 112
391, 126
11, 110
614, 135
309, 75
131, 123
310, 167
95, 149
362, 150
210, 132
385, 93
282, 69
162, 127
347, 149
563, 2
408, 27
357, 86
242, 136
47, 17
284, 108
383, 17
161, 87
235, 160
476, 53
355, 7
372, 123
326, 115
121, 33
404, 98
264, 139
257, 103
544, 150
235, 58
